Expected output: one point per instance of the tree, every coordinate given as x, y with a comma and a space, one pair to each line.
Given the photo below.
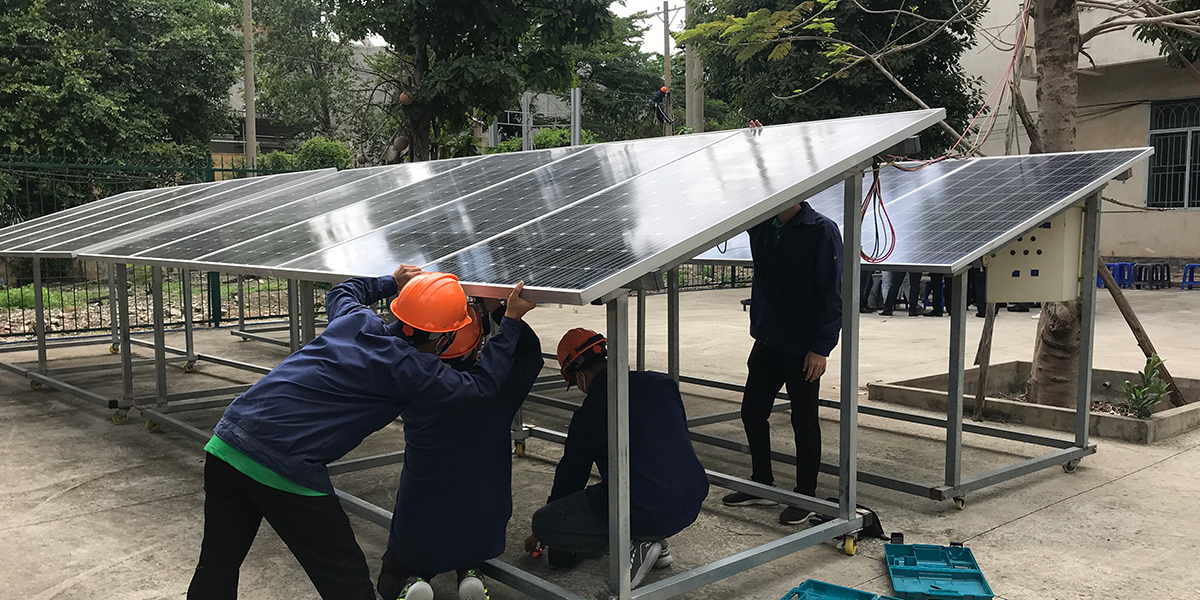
618, 80
458, 55
109, 77
307, 77
776, 61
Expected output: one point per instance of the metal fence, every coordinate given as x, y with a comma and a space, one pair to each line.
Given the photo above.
77, 292
698, 277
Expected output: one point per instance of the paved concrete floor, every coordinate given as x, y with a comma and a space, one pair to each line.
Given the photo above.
93, 510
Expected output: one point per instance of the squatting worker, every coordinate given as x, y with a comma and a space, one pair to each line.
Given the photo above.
269, 455
795, 319
667, 484
455, 494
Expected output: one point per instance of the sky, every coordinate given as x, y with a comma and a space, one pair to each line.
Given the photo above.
653, 41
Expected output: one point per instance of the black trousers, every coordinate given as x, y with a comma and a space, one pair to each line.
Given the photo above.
913, 296
315, 529
770, 370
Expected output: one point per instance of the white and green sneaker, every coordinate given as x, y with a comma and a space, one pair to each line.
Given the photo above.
471, 586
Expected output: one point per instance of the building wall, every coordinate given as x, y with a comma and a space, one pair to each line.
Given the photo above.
1114, 110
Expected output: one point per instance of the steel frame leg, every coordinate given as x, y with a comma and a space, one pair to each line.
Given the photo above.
1087, 314
241, 304
160, 344
112, 309
308, 317
39, 315
293, 316
641, 330
122, 273
188, 326
673, 323
954, 395
618, 445
848, 422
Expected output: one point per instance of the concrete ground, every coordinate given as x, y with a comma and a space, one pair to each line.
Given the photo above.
93, 510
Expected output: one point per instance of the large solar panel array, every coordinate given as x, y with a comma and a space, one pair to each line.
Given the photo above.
951, 213
574, 223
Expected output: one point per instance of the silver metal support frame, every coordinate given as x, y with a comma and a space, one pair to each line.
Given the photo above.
160, 353
308, 316
293, 316
241, 302
673, 323
641, 330
112, 308
1087, 315
126, 340
39, 314
954, 395
188, 325
851, 251
618, 448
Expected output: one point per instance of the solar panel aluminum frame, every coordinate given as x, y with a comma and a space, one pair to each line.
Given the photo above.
683, 252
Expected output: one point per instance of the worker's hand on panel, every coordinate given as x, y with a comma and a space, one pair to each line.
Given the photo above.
490, 304
403, 273
814, 366
518, 306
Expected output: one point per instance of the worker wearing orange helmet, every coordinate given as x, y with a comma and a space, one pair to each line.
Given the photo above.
667, 483
269, 455
444, 519
660, 113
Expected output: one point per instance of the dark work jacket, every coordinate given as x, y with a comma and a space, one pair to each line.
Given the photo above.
349, 382
455, 495
659, 96
667, 484
796, 296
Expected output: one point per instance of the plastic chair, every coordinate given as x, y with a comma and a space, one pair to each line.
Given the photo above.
1123, 273
1190, 274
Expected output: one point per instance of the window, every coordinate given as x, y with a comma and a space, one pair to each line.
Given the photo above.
1174, 180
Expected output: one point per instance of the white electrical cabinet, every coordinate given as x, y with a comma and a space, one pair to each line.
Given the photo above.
1040, 266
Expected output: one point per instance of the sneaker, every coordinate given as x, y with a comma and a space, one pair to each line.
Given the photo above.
642, 557
744, 499
471, 586
664, 558
794, 516
887, 312
933, 313
416, 588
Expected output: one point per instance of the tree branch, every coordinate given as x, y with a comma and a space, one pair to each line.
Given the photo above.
1114, 25
1031, 130
1136, 207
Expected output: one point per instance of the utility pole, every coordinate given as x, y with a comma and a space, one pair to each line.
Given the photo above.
693, 80
527, 121
668, 127
1011, 131
248, 86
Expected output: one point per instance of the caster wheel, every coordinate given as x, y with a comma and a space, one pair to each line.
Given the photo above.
189, 367
35, 385
849, 545
1070, 466
519, 448
113, 349
960, 503
153, 427
120, 417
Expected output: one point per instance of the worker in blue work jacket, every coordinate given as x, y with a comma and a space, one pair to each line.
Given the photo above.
271, 448
667, 484
455, 495
795, 319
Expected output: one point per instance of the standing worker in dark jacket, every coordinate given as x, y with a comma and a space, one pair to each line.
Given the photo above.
795, 318
269, 455
455, 495
667, 483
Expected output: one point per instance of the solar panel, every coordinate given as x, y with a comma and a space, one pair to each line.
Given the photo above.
949, 217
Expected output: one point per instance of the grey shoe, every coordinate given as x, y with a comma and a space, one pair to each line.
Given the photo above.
416, 589
642, 557
794, 516
744, 499
471, 586
664, 558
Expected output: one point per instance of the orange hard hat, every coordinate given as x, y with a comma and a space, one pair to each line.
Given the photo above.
432, 302
577, 348
468, 338
664, 89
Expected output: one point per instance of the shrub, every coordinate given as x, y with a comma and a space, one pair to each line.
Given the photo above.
277, 161
554, 137
322, 153
1141, 399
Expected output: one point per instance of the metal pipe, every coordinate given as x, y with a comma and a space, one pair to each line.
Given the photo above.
293, 316
367, 462
618, 447
248, 335
576, 116
1020, 469
53, 383
39, 314
848, 443
112, 308
954, 393
673, 323
126, 339
308, 316
641, 330
160, 354
241, 303
1087, 316
188, 325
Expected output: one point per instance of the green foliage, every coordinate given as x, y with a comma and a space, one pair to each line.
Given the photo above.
1142, 398
320, 153
553, 137
1168, 38
277, 161
102, 77
458, 55
22, 298
764, 53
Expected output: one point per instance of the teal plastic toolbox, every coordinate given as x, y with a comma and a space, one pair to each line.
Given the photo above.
927, 572
812, 589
